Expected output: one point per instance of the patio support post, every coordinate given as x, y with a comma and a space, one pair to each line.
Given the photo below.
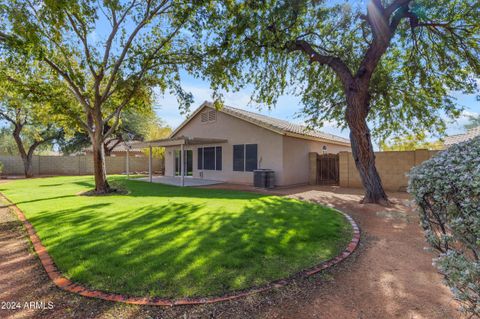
150, 164
128, 162
182, 166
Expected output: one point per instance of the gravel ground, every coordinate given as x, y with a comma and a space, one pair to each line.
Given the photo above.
389, 276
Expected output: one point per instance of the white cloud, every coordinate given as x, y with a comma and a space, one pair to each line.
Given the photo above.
457, 126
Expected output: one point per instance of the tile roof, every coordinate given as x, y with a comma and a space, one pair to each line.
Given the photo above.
279, 125
454, 139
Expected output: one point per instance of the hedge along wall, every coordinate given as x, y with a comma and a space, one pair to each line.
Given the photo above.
392, 166
76, 165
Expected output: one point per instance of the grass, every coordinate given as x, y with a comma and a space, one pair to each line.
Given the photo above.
169, 241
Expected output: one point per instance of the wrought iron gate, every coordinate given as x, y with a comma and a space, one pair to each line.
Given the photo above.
328, 169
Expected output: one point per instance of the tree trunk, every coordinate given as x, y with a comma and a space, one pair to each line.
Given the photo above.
99, 169
27, 165
362, 149
109, 147
26, 158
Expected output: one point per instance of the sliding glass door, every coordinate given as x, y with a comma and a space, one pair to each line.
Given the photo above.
188, 162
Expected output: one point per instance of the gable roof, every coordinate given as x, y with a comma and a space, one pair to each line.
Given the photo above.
455, 139
273, 124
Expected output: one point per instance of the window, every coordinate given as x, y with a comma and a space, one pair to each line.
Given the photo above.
210, 158
245, 157
250, 157
239, 157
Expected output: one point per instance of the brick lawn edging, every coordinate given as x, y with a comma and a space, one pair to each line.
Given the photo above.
66, 284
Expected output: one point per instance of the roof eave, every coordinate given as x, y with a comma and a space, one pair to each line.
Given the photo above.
262, 125
317, 139
185, 122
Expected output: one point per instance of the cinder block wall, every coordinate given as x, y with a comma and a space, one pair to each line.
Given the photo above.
76, 165
392, 167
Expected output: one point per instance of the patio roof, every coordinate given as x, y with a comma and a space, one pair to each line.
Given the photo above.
180, 140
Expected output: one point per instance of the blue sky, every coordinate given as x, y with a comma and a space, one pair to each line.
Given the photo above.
287, 108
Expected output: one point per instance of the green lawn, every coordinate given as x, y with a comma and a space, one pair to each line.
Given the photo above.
175, 242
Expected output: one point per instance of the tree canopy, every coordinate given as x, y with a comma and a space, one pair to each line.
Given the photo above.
283, 47
410, 143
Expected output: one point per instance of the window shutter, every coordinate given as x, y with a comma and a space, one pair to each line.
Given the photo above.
251, 152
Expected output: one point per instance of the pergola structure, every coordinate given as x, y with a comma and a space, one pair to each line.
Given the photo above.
175, 141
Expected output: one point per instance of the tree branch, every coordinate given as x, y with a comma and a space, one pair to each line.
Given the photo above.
147, 17
383, 31
7, 118
83, 39
335, 63
116, 25
67, 78
394, 6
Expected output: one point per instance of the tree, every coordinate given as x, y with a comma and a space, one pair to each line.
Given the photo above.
410, 142
134, 124
390, 65
7, 143
157, 130
138, 45
473, 122
27, 112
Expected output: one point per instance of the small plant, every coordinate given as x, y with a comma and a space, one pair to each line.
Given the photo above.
1, 168
447, 191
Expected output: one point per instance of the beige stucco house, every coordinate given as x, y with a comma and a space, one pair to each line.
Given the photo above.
228, 144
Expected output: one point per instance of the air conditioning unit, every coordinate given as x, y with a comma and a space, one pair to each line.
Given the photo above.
264, 178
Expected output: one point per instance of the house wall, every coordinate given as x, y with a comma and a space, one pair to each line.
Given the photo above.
296, 167
75, 165
236, 131
392, 167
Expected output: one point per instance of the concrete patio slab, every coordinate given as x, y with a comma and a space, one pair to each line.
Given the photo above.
177, 181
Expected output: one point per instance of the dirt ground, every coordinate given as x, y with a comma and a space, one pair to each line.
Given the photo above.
389, 276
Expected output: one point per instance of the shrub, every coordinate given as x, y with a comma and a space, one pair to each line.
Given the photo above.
447, 191
1, 168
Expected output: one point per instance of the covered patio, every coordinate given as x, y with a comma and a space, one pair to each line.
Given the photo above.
180, 141
177, 181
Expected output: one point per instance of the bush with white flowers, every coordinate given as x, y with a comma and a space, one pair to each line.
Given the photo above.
446, 189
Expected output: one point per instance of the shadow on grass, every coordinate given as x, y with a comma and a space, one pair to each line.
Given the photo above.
140, 188
180, 249
42, 199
